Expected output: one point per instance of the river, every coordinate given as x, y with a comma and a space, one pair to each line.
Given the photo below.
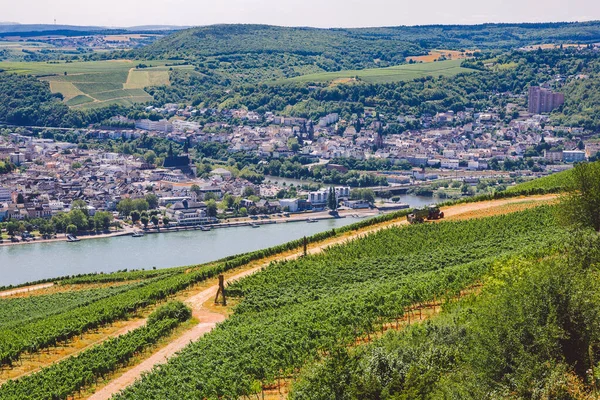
36, 261
410, 199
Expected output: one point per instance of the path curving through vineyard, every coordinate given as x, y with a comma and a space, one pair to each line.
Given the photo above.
209, 319
25, 289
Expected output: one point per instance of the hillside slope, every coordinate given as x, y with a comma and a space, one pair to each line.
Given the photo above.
373, 43
295, 311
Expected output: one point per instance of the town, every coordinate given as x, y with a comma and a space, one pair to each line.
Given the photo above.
464, 148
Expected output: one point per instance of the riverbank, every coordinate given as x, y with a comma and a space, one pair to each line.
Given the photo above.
128, 231
20, 264
63, 238
303, 217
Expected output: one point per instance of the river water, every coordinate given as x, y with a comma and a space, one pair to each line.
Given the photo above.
31, 262
410, 199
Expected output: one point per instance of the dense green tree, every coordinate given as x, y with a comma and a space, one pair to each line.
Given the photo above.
135, 216
211, 208
78, 218
581, 207
102, 220
12, 228
332, 199
152, 200
71, 229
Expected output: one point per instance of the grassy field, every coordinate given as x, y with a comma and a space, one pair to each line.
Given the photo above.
96, 83
16, 48
139, 79
386, 75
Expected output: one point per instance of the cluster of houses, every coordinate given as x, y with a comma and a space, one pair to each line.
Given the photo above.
463, 140
54, 174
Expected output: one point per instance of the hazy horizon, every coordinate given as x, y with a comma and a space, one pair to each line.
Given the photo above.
309, 13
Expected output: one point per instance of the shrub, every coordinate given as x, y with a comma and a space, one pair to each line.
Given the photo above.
171, 310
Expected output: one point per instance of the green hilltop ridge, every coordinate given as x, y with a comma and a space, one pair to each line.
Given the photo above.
242, 54
362, 43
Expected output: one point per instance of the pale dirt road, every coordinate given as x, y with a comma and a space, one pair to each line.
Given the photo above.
210, 319
25, 289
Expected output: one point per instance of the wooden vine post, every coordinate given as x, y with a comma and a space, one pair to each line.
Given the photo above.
221, 291
305, 243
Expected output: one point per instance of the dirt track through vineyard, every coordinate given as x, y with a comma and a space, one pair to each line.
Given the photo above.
209, 319
25, 289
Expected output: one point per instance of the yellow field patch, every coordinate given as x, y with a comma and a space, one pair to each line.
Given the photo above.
121, 38
67, 89
435, 55
342, 81
139, 79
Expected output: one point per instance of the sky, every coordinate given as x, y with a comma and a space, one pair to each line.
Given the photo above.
316, 13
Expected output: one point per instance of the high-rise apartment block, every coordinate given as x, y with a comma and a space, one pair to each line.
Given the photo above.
543, 100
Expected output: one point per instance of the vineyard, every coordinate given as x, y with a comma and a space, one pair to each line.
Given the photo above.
20, 311
69, 377
552, 183
36, 323
529, 334
48, 332
295, 312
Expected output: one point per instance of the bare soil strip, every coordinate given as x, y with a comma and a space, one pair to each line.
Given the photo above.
25, 289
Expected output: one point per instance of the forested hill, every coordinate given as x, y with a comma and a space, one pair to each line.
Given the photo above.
386, 43
345, 48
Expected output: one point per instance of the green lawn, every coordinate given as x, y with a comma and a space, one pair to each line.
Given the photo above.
397, 73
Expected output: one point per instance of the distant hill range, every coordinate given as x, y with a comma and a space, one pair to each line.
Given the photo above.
229, 39
48, 29
334, 49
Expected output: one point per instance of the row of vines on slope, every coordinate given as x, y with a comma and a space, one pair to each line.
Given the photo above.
71, 376
295, 312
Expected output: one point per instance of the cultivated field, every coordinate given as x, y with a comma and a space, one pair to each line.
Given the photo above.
141, 78
17, 48
435, 55
97, 83
386, 75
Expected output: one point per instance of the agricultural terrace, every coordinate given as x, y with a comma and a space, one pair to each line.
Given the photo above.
552, 183
397, 73
296, 311
97, 83
435, 55
55, 319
